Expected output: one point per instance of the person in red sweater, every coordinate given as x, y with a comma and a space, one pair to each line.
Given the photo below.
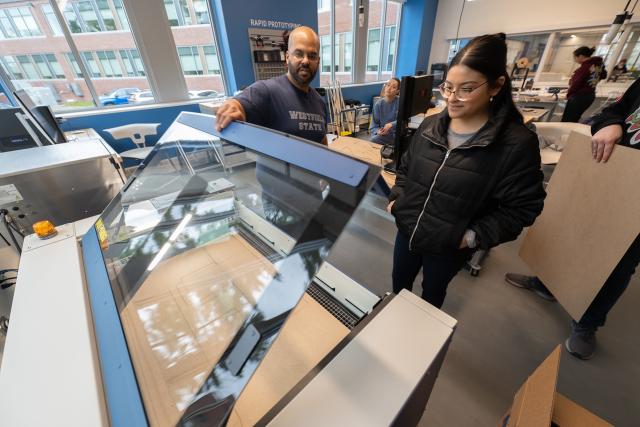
582, 85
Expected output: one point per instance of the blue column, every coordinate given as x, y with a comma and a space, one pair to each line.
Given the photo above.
416, 34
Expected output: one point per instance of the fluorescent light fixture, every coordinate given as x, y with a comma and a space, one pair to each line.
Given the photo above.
163, 250
180, 227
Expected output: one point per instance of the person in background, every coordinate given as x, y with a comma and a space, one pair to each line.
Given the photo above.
618, 70
618, 123
285, 103
582, 85
471, 177
385, 111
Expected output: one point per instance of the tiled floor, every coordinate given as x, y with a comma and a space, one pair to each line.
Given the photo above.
504, 333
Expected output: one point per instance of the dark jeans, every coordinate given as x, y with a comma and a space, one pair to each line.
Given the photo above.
437, 271
613, 288
576, 106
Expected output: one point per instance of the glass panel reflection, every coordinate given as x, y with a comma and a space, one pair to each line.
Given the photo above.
208, 248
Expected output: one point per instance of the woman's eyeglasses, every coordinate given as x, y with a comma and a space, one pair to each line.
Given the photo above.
462, 93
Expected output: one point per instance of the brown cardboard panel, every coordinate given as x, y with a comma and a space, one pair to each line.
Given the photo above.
567, 413
533, 404
309, 334
589, 221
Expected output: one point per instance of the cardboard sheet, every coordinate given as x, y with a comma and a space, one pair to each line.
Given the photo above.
590, 218
538, 404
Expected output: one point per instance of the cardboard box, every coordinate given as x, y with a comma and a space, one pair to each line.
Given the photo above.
590, 219
538, 404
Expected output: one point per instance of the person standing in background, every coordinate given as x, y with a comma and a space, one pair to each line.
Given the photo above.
582, 85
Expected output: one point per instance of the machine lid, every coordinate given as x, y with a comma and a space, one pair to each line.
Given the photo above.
207, 249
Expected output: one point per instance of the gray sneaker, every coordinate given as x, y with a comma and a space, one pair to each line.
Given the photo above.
531, 283
582, 342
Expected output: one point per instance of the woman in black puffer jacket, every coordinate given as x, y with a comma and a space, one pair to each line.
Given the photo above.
471, 176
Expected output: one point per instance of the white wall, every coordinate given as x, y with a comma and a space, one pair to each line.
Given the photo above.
517, 16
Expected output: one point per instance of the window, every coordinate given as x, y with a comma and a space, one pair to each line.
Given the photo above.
202, 11
24, 22
384, 21
211, 57
12, 68
324, 5
179, 14
107, 15
200, 60
29, 69
373, 49
77, 72
109, 63
47, 11
122, 16
91, 64
43, 67
7, 30
95, 62
18, 22
336, 62
190, 60
325, 54
132, 62
89, 16
73, 20
339, 64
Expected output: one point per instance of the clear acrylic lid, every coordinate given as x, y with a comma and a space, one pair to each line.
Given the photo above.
208, 249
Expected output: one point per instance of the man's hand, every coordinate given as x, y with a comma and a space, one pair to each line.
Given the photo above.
229, 111
603, 142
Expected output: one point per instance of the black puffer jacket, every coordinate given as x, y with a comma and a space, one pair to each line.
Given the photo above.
491, 184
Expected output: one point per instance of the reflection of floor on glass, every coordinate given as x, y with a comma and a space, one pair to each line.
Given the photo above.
183, 317
308, 335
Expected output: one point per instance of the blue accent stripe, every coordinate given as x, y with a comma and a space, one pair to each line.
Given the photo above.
288, 148
121, 389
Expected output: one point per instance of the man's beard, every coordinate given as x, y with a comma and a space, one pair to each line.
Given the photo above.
293, 70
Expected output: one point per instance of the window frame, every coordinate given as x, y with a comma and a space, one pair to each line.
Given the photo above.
89, 65
387, 51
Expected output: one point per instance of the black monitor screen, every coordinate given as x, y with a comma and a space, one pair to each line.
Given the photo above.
415, 98
13, 135
43, 116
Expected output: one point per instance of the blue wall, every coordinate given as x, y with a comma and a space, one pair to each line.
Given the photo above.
416, 34
163, 115
234, 20
363, 93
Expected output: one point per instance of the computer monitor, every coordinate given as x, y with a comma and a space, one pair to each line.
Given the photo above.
415, 98
13, 134
43, 117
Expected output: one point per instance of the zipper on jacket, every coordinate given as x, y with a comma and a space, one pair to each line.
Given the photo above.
435, 177
424, 207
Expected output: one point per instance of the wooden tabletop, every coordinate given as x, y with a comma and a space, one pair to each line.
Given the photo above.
533, 114
366, 151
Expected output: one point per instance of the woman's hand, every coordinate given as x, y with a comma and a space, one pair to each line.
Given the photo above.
390, 205
385, 129
463, 243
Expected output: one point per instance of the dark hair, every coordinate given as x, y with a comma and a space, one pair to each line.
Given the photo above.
384, 85
584, 51
488, 55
